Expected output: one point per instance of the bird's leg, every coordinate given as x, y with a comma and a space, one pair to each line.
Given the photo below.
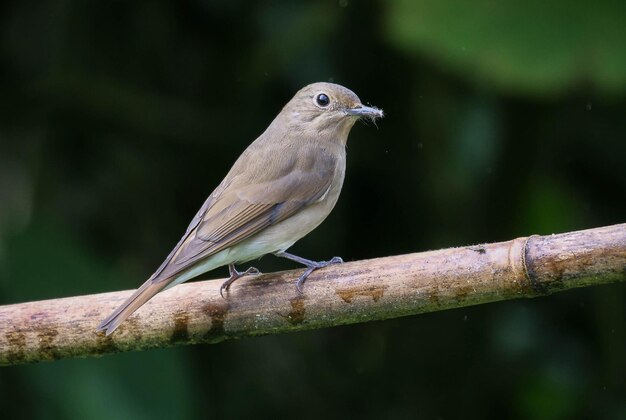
234, 275
311, 265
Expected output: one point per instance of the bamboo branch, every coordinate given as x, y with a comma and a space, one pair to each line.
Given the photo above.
342, 294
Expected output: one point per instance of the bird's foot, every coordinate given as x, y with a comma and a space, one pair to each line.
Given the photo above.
234, 275
311, 266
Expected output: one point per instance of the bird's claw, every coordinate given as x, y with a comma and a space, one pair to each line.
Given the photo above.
252, 271
234, 275
311, 268
223, 287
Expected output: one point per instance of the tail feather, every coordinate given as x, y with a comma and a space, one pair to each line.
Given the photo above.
134, 302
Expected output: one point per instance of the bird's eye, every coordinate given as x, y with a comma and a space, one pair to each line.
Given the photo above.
322, 100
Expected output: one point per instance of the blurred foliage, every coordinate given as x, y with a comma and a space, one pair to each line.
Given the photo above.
531, 46
503, 119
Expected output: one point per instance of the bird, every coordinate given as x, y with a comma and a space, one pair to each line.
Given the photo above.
282, 187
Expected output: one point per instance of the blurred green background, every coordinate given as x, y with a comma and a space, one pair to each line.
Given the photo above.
504, 119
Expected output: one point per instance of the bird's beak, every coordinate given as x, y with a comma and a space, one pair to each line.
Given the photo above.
363, 111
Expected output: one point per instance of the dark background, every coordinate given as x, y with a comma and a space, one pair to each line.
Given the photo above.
504, 119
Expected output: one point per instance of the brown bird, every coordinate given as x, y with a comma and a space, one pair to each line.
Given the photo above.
281, 188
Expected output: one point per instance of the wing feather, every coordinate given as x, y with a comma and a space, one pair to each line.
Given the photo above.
242, 209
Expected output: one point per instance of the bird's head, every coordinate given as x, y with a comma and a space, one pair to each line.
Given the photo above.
327, 109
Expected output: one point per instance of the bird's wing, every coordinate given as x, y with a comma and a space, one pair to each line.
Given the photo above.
242, 209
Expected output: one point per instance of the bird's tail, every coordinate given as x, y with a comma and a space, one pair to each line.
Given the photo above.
126, 309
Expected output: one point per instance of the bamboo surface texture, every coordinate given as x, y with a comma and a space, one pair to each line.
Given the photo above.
352, 292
